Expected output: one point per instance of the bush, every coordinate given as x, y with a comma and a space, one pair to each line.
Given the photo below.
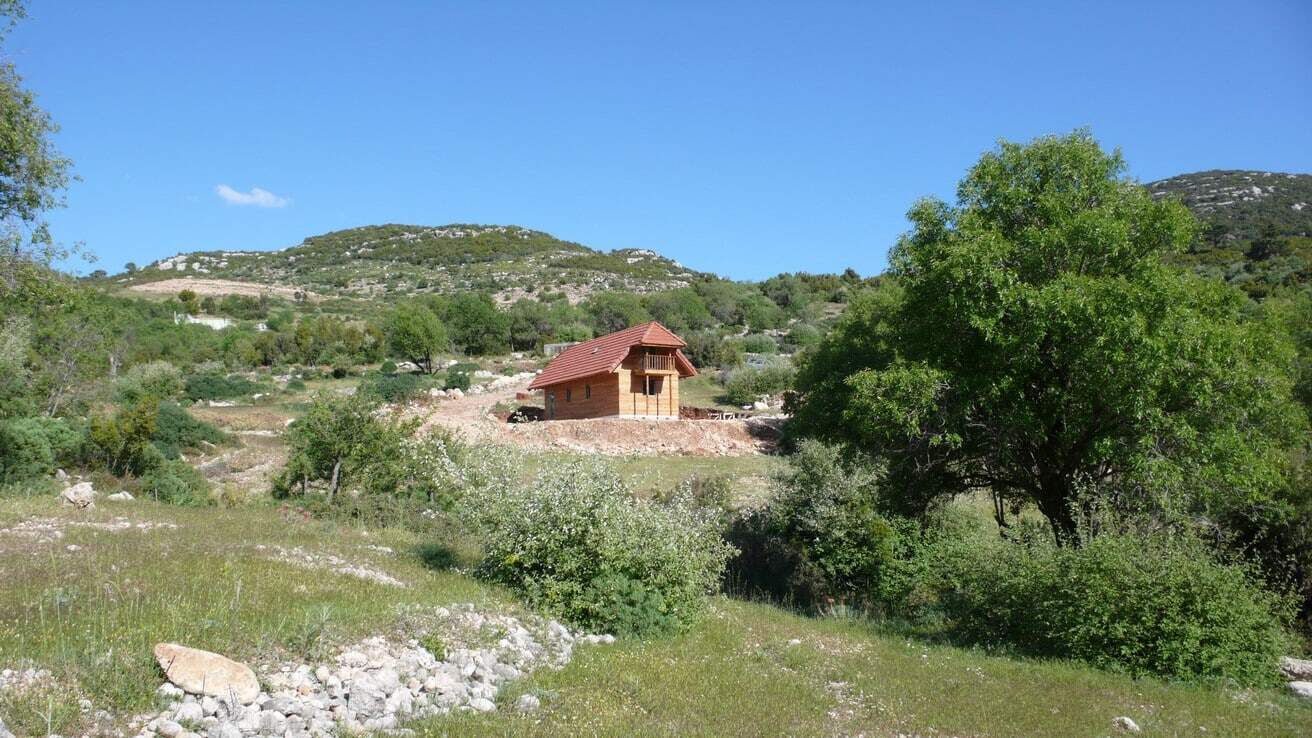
457, 379
577, 544
745, 385
34, 447
122, 441
759, 343
826, 507
388, 367
175, 483
176, 430
296, 385
156, 379
396, 388
218, 387
1141, 605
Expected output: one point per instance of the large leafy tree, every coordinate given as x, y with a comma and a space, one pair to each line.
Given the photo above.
33, 176
1042, 351
417, 334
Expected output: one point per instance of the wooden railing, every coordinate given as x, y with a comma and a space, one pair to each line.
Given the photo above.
656, 363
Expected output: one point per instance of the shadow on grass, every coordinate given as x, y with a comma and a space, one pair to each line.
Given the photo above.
437, 556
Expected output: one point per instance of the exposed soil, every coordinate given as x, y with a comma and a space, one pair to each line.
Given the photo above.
215, 287
471, 417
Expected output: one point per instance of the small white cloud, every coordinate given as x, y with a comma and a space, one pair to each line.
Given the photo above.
260, 198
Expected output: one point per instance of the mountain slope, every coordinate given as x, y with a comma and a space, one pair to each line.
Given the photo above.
1244, 202
383, 260
1257, 227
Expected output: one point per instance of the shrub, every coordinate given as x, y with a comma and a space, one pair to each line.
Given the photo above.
122, 441
759, 343
745, 385
218, 387
155, 378
175, 430
826, 508
176, 483
576, 543
396, 388
34, 447
296, 385
1141, 605
457, 379
803, 335
388, 367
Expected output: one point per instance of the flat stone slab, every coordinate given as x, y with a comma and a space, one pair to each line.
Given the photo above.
1302, 689
205, 673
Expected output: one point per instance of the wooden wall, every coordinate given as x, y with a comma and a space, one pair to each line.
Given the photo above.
604, 401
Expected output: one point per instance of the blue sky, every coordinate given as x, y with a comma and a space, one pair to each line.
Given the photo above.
741, 138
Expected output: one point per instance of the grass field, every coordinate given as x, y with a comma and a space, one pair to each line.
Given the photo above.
91, 616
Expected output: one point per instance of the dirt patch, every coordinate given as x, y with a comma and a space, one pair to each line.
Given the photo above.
471, 416
217, 287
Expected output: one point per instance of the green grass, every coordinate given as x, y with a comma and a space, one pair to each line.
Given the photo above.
739, 674
92, 617
703, 391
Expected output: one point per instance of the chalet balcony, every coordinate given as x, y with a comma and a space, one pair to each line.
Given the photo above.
656, 364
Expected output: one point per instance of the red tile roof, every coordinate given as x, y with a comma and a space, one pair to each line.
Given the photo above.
604, 354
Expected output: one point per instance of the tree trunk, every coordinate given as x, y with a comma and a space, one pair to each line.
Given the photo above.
337, 478
1055, 503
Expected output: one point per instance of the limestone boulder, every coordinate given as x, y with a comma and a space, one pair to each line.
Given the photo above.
81, 495
205, 673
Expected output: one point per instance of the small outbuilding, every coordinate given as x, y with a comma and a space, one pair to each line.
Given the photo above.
633, 373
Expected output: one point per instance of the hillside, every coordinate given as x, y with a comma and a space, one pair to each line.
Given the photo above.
1256, 227
1243, 203
382, 260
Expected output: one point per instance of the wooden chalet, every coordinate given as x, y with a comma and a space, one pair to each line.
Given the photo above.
633, 373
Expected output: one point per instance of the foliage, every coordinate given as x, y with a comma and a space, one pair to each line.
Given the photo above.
1044, 352
176, 483
121, 442
477, 326
1148, 606
759, 343
576, 543
218, 387
176, 430
615, 311
341, 440
158, 379
416, 333
826, 506
457, 378
394, 388
35, 447
745, 385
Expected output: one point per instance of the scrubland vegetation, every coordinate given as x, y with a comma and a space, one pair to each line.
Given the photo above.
1036, 477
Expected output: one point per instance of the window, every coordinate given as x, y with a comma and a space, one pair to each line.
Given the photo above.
653, 385
569, 394
587, 392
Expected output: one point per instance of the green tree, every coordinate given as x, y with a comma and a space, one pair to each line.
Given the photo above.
33, 176
477, 325
338, 441
530, 321
1045, 353
615, 311
413, 331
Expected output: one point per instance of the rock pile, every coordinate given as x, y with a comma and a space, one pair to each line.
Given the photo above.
1299, 674
377, 684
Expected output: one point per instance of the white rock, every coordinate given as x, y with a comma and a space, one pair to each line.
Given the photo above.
81, 495
122, 496
482, 705
1302, 689
1296, 669
4, 732
169, 729
189, 712
527, 703
202, 672
1126, 724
